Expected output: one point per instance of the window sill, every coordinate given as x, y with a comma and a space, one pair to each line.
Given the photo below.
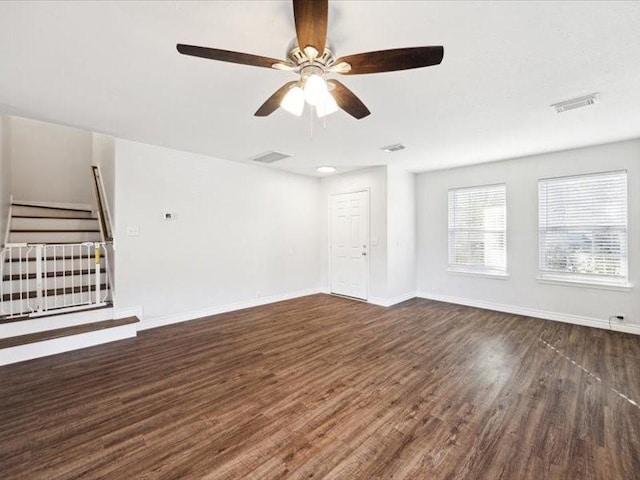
582, 284
467, 273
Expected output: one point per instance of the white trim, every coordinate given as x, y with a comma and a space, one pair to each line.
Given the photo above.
72, 206
530, 312
580, 284
127, 312
388, 302
44, 348
467, 273
626, 328
217, 309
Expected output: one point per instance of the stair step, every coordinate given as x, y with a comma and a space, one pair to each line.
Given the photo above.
31, 276
54, 238
52, 313
53, 217
52, 258
49, 207
55, 319
53, 230
79, 336
65, 332
51, 292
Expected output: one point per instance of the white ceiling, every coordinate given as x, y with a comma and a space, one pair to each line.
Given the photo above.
112, 67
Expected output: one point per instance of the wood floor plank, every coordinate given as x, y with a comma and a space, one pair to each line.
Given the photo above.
327, 388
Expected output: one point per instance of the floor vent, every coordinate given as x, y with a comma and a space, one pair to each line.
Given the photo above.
270, 157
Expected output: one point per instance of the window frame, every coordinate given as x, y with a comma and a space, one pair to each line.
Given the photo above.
587, 280
471, 270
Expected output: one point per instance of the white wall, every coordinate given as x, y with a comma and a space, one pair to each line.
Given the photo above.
5, 173
375, 180
401, 233
242, 233
50, 163
521, 289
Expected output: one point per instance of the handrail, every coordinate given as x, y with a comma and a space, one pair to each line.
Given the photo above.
106, 226
8, 229
104, 217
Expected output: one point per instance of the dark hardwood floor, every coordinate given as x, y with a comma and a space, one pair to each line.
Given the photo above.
327, 388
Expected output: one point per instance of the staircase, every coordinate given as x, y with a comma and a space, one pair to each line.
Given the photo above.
55, 290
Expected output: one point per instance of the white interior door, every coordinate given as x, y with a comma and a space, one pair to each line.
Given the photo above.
349, 244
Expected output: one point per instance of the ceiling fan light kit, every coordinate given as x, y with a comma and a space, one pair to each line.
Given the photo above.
293, 101
311, 56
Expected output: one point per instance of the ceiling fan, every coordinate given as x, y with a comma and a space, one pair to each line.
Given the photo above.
312, 58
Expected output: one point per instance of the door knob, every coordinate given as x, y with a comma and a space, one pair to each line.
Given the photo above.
364, 254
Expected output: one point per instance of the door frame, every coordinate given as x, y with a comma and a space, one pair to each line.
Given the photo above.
367, 190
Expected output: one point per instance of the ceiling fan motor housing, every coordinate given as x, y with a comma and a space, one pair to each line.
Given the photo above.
300, 59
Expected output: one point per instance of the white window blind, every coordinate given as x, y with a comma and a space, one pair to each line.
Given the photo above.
583, 228
477, 229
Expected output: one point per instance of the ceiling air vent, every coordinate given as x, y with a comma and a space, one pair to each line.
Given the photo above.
393, 148
270, 157
576, 103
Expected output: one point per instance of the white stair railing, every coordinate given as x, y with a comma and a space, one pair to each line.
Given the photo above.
37, 279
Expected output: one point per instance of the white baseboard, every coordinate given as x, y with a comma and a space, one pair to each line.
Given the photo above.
29, 351
388, 302
215, 310
127, 312
73, 206
530, 312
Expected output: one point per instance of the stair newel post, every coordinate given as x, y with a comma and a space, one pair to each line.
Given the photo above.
97, 271
39, 278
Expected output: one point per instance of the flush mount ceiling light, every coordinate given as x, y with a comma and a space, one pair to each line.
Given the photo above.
578, 102
311, 56
326, 169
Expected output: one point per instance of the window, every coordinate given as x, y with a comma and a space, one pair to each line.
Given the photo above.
477, 230
583, 228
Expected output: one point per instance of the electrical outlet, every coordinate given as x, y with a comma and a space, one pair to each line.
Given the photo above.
620, 317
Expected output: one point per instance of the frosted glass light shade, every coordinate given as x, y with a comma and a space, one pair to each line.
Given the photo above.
293, 101
326, 107
315, 89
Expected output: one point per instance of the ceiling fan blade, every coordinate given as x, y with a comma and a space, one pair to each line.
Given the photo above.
348, 101
273, 102
392, 60
227, 56
311, 23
